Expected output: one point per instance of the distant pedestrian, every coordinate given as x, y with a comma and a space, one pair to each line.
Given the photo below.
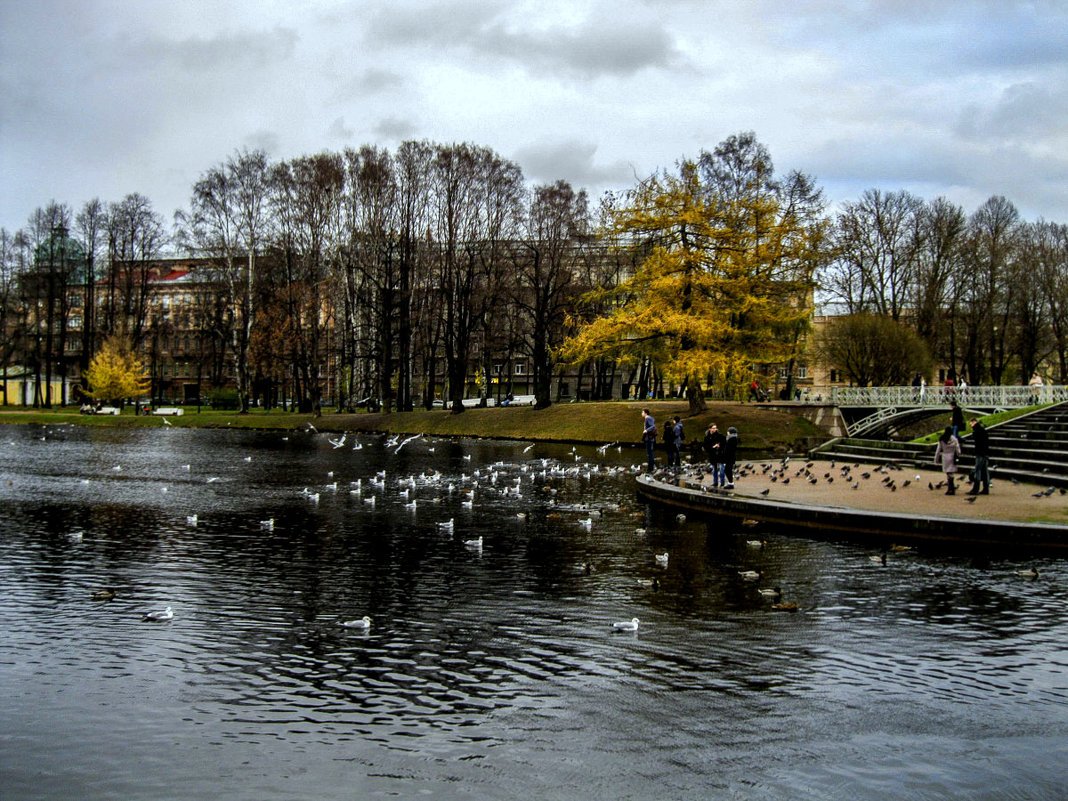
981, 449
946, 455
1036, 387
679, 436
714, 444
649, 438
669, 443
730, 455
956, 418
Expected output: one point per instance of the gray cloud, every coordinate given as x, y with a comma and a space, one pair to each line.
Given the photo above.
1025, 112
210, 54
573, 161
339, 130
394, 129
609, 46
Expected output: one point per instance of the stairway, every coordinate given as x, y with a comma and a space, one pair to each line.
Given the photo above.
1032, 448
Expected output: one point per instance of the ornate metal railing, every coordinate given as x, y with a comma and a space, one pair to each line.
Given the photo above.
1007, 397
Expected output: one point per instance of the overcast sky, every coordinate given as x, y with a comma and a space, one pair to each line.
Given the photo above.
961, 99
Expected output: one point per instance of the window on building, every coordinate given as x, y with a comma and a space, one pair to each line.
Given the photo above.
520, 368
498, 368
834, 376
802, 371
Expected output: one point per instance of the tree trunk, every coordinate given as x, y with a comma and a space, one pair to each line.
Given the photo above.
696, 398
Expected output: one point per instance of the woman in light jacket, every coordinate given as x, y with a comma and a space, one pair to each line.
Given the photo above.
946, 454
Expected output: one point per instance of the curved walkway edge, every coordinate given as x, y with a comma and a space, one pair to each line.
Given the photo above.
863, 524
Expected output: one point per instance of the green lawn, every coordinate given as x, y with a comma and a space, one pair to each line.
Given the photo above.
762, 429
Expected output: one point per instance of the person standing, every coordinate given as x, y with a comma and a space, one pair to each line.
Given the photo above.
956, 418
669, 443
981, 446
946, 455
678, 435
714, 446
730, 455
1036, 387
649, 438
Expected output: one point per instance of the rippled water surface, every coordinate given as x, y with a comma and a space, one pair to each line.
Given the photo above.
492, 672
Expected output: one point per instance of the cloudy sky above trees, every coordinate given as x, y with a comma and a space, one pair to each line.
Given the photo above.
963, 99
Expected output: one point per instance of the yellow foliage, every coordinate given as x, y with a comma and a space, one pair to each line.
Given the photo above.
115, 373
727, 283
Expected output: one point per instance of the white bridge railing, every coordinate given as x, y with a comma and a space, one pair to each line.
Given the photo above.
1007, 397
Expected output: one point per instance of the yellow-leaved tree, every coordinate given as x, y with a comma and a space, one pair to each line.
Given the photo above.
115, 372
727, 278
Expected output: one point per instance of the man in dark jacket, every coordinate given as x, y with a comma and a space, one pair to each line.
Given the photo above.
730, 454
714, 444
677, 432
669, 443
956, 418
981, 449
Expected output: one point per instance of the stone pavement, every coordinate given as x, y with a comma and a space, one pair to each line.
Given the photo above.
904, 491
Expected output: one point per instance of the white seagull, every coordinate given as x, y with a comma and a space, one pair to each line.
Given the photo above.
661, 559
364, 623
164, 614
626, 625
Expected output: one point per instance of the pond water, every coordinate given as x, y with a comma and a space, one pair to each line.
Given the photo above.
490, 672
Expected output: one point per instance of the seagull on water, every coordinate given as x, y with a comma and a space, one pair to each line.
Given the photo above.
191, 520
267, 524
363, 624
661, 559
626, 625
749, 575
159, 614
476, 544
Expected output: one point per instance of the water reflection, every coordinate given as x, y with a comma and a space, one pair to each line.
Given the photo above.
490, 672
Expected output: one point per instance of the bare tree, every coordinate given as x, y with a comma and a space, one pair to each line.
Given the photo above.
476, 196
135, 238
308, 206
879, 240
557, 227
227, 222
990, 292
91, 226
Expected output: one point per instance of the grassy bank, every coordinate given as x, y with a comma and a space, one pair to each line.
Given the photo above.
762, 430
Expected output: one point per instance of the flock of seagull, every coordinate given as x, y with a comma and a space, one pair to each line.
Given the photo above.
517, 480
431, 488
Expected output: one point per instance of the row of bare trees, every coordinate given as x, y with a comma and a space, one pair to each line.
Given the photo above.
985, 292
388, 268
393, 269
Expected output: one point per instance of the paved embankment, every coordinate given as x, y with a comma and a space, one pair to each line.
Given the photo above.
872, 500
